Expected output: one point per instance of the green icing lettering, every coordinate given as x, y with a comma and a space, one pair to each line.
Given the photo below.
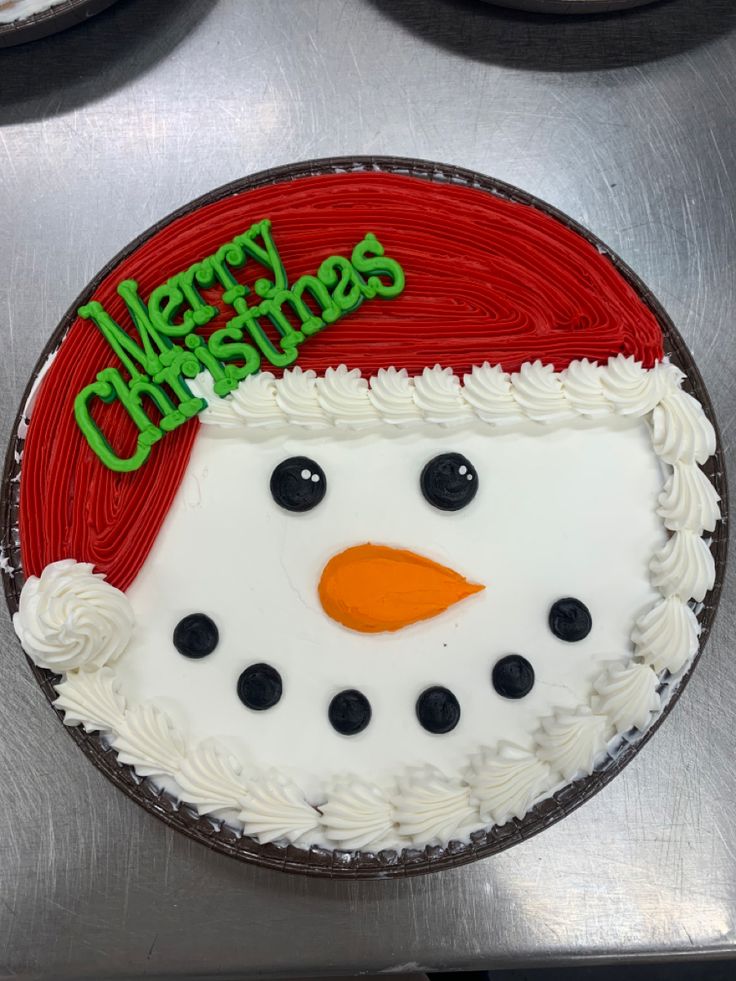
163, 350
225, 345
379, 265
248, 319
129, 351
103, 390
347, 285
266, 254
201, 311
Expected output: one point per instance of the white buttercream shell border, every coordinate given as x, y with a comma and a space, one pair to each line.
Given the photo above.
425, 806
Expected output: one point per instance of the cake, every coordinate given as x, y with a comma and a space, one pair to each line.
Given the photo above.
17, 10
363, 511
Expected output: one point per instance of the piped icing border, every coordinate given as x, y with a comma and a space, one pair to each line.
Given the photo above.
536, 393
69, 618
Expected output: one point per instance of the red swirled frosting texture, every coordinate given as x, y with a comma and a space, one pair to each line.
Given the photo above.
486, 280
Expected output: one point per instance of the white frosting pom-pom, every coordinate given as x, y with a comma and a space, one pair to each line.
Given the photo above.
70, 617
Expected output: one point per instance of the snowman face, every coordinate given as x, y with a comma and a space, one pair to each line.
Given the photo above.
565, 512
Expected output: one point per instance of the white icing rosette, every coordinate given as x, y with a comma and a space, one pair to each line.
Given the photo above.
358, 815
439, 396
92, 699
488, 390
392, 396
571, 741
538, 390
627, 695
275, 810
70, 617
343, 396
506, 782
666, 636
431, 808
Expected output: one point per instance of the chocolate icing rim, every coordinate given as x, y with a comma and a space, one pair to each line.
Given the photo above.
59, 17
355, 865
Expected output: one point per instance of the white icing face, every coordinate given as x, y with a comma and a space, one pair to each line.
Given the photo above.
567, 511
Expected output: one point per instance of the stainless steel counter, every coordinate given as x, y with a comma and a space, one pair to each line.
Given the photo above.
627, 123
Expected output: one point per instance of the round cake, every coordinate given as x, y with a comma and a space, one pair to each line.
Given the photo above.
362, 515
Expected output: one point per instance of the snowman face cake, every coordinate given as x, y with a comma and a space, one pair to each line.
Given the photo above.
390, 608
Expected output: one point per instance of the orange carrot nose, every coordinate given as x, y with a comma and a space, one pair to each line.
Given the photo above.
373, 588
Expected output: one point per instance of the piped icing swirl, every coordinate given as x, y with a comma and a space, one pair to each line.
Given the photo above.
358, 815
536, 393
488, 390
253, 402
582, 383
689, 501
439, 397
212, 778
571, 741
681, 431
666, 636
392, 395
275, 809
684, 567
506, 782
634, 390
149, 740
70, 617
92, 699
431, 808
627, 695
297, 400
344, 397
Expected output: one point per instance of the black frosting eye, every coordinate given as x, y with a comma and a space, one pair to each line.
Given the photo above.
513, 676
196, 635
298, 484
438, 710
260, 687
449, 481
569, 619
349, 712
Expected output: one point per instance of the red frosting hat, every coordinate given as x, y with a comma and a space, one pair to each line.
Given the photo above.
487, 279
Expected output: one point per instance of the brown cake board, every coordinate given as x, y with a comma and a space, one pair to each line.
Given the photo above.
61, 16
410, 861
